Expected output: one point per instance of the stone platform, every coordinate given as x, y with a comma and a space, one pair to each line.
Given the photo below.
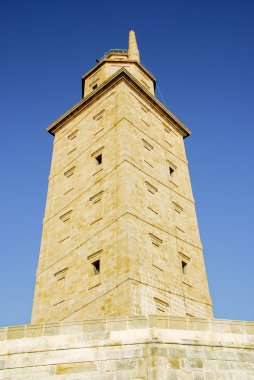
129, 348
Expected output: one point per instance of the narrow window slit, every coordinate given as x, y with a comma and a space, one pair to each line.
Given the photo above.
96, 267
184, 267
99, 159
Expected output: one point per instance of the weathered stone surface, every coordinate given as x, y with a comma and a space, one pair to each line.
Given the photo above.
66, 351
2, 364
33, 331
16, 332
174, 363
63, 369
3, 333
119, 204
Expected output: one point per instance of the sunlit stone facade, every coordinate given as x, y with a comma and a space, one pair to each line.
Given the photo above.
120, 234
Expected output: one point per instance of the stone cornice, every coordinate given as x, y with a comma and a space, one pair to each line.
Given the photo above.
120, 75
190, 325
102, 62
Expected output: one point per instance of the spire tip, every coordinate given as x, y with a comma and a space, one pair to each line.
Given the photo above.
133, 53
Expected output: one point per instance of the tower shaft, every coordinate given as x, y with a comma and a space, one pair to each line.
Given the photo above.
120, 233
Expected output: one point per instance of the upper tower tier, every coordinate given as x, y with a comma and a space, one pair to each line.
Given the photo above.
119, 65
114, 60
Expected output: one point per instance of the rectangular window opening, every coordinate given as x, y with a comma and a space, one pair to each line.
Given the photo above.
184, 267
171, 171
99, 159
95, 86
96, 267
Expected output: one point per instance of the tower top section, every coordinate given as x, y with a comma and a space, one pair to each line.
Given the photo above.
114, 60
119, 65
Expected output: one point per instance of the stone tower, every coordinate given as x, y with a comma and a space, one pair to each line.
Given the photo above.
120, 234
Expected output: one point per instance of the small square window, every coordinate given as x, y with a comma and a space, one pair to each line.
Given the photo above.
95, 86
184, 267
96, 267
171, 168
99, 159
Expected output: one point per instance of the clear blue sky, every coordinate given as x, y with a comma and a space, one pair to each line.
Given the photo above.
201, 53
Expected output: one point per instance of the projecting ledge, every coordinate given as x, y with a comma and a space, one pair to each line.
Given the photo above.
128, 323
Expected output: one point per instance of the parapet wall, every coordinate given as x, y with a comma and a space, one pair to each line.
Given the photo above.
129, 348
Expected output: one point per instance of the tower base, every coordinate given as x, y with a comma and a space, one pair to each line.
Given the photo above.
129, 348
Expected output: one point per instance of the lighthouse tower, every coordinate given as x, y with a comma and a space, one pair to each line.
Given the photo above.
120, 234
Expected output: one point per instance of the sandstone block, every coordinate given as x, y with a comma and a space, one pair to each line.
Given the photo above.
63, 369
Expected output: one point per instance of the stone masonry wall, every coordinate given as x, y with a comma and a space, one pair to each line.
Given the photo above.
125, 212
129, 348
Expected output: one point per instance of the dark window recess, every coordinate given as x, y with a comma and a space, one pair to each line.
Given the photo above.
95, 86
99, 159
171, 171
184, 267
96, 267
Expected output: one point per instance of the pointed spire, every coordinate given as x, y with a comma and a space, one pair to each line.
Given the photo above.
133, 53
